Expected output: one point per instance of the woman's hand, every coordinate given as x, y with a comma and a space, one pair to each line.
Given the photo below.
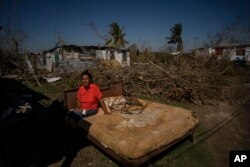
102, 103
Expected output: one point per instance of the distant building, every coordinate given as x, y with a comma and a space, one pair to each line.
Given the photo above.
74, 57
109, 53
233, 51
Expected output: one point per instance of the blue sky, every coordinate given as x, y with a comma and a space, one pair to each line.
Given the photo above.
145, 21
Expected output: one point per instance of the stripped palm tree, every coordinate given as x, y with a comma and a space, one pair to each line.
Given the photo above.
175, 37
117, 36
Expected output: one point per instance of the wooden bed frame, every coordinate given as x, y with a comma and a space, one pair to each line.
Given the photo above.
115, 89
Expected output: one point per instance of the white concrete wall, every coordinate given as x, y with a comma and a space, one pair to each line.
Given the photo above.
229, 52
53, 57
234, 56
75, 55
119, 58
102, 54
49, 61
106, 55
66, 55
70, 55
128, 59
211, 51
247, 54
40, 62
98, 54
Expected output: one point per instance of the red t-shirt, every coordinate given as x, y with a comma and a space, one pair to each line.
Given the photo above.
89, 97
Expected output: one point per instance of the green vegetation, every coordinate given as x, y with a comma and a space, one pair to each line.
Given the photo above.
117, 39
175, 37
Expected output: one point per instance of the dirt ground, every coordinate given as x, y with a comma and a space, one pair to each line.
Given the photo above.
227, 128
226, 125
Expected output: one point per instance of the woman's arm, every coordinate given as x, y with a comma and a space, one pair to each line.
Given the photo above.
78, 97
78, 104
103, 106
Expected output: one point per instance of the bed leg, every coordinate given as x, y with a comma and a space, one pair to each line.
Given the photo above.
193, 137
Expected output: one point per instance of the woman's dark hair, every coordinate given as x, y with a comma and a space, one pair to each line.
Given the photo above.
86, 72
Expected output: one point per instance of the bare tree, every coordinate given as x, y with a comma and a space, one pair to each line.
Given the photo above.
12, 39
96, 32
237, 31
59, 39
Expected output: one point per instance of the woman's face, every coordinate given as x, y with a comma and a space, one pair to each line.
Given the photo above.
85, 80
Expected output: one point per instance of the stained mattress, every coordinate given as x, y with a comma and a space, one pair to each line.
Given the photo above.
140, 129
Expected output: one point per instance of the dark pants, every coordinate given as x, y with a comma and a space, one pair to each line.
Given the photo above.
77, 116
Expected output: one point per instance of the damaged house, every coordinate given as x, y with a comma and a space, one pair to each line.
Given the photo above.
109, 53
235, 52
71, 57
65, 57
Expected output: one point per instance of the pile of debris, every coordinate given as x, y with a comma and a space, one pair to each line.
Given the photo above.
199, 80
195, 79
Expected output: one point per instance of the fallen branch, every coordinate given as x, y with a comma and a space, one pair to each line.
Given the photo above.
171, 75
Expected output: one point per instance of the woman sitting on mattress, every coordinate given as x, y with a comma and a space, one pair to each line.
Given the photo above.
89, 97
